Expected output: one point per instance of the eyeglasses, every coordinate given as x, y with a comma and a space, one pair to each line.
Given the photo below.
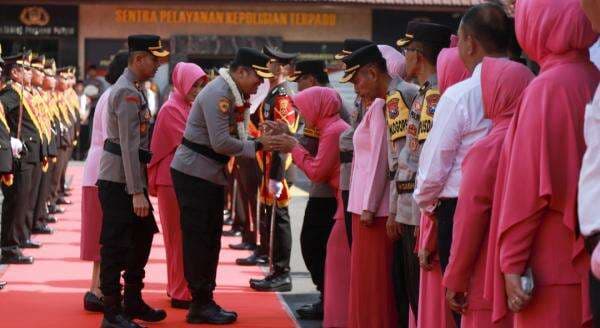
404, 51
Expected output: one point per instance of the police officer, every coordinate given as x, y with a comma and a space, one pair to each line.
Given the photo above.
26, 154
351, 45
128, 223
217, 118
409, 114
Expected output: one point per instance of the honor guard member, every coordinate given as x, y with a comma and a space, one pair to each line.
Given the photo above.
26, 149
274, 190
409, 123
346, 145
6, 159
210, 139
128, 223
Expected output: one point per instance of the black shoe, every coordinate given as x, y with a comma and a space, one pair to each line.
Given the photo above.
180, 304
51, 219
42, 230
210, 313
62, 201
232, 233
253, 259
138, 309
278, 282
66, 194
2, 284
31, 244
16, 259
228, 221
243, 246
92, 303
311, 311
55, 209
118, 321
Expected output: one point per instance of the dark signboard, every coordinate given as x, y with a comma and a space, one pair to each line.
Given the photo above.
39, 20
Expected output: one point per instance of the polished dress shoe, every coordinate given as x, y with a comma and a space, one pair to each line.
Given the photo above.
2, 284
118, 321
42, 230
16, 259
62, 201
232, 233
55, 209
277, 282
92, 303
210, 313
51, 219
228, 221
31, 244
180, 304
243, 246
253, 259
311, 311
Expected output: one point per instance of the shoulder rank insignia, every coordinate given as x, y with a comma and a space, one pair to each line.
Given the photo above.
224, 105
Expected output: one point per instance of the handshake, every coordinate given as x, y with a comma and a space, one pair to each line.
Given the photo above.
276, 136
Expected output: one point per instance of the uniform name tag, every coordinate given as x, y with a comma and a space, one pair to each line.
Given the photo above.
396, 115
432, 97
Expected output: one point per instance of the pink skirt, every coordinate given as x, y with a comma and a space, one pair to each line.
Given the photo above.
337, 277
371, 301
91, 224
554, 306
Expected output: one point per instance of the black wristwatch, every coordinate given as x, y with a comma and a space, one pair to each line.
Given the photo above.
258, 145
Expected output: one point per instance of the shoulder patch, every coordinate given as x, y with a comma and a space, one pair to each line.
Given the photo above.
132, 99
224, 105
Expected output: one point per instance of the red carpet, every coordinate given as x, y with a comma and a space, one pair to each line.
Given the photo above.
50, 292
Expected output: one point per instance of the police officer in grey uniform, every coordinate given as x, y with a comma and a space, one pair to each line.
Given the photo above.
128, 223
409, 114
210, 139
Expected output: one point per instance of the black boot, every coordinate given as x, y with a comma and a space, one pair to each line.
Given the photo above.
136, 308
113, 314
311, 311
253, 259
277, 282
92, 303
210, 313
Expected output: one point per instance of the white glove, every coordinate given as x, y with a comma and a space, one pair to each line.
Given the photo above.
275, 187
17, 146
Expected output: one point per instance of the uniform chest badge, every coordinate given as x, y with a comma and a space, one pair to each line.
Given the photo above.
392, 108
432, 101
224, 105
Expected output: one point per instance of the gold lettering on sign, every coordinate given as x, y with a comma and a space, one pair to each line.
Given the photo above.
216, 17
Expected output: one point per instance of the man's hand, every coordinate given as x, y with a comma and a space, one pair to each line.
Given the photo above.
275, 127
141, 206
424, 260
8, 179
284, 143
457, 301
275, 187
267, 142
366, 218
394, 229
516, 298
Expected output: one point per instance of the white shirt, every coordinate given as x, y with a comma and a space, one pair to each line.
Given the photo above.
595, 53
457, 124
589, 180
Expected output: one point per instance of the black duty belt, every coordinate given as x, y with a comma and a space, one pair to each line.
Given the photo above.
346, 156
405, 187
145, 156
205, 151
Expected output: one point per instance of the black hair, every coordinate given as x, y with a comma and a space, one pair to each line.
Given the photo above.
381, 65
489, 25
430, 51
117, 66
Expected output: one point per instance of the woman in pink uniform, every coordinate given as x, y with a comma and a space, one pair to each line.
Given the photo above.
320, 108
433, 310
536, 226
188, 79
502, 84
91, 212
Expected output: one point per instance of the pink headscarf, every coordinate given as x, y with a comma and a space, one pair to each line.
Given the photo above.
318, 105
170, 123
450, 69
534, 177
395, 61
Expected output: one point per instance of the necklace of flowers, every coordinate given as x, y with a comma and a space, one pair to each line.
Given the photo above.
241, 106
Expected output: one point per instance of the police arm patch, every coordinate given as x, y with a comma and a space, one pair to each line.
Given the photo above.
224, 105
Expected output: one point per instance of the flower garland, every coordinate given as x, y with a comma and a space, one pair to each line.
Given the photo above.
241, 107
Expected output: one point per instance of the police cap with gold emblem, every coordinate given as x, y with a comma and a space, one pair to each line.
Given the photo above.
63, 72
21, 59
278, 55
359, 58
351, 45
50, 67
148, 43
38, 62
254, 59
428, 33
315, 68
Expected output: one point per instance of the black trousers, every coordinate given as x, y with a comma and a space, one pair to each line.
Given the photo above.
405, 275
444, 215
595, 299
40, 211
201, 205
317, 225
347, 216
36, 181
62, 160
125, 239
14, 208
248, 177
282, 240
